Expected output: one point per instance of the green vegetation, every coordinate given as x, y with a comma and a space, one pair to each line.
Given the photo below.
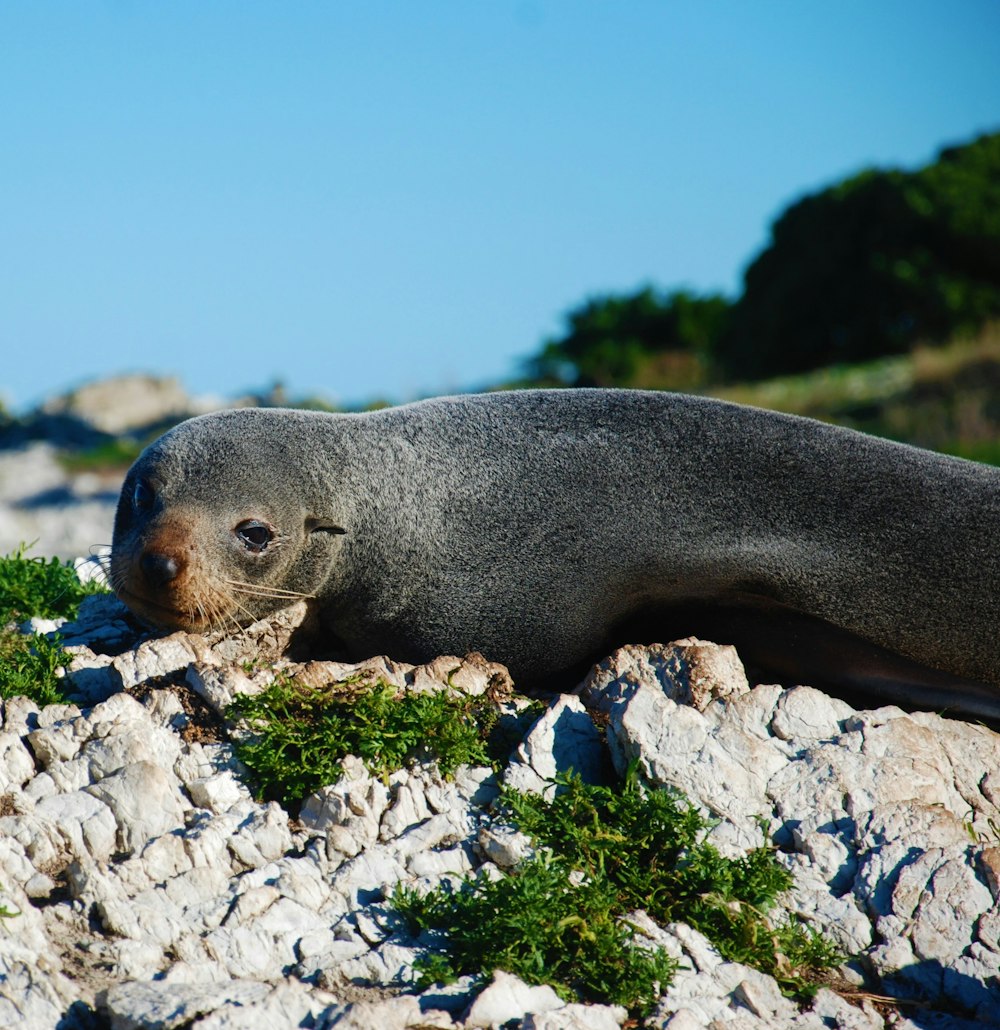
7, 913
872, 266
603, 853
46, 588
299, 735
543, 926
30, 664
869, 267
112, 455
943, 398
638, 340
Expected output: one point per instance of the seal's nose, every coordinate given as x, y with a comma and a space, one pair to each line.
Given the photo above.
159, 569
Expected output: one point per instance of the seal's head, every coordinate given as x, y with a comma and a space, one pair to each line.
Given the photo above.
215, 525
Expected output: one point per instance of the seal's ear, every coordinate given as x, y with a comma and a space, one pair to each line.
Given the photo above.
315, 525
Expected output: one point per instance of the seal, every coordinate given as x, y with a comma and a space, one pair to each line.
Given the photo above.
545, 527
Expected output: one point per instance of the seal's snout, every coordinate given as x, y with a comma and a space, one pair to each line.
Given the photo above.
159, 569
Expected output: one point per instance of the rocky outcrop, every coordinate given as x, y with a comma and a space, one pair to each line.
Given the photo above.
124, 404
152, 890
52, 499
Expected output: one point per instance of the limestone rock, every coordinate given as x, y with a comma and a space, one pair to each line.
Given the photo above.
507, 998
152, 889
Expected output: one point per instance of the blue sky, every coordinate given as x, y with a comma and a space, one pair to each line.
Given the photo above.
403, 198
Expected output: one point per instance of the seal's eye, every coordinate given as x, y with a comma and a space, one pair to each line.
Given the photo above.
143, 495
254, 535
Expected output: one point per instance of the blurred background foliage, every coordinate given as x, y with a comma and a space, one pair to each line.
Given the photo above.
875, 304
868, 267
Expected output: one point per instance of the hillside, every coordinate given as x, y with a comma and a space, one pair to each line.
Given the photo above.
942, 398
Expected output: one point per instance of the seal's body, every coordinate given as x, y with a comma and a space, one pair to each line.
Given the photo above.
545, 527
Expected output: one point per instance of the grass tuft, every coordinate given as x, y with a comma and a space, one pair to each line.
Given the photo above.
299, 735
542, 924
602, 853
32, 664
46, 588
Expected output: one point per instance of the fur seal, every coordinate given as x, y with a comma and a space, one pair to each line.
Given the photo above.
545, 527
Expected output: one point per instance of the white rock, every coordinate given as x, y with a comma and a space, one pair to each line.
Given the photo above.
472, 785
370, 876
93, 568
393, 1014
507, 997
504, 845
577, 1017
762, 996
144, 800
39, 625
408, 808
33, 997
17, 766
20, 715
471, 676
188, 878
689, 671
806, 714
563, 739
438, 862
355, 806
287, 1004
391, 964
55, 743
159, 657
943, 898
218, 792
681, 747
444, 828
137, 960
42, 786
144, 1006
218, 685
685, 1019
125, 402
83, 823
833, 1010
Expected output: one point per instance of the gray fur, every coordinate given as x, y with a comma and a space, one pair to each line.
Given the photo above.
537, 526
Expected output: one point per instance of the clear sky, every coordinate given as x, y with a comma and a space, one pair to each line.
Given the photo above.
395, 198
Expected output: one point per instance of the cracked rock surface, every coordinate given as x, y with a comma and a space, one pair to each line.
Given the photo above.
152, 891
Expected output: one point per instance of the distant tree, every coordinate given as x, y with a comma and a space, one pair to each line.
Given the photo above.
873, 265
640, 339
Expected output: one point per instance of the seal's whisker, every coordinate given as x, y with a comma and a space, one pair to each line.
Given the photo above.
209, 608
262, 591
102, 557
218, 613
268, 592
225, 609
